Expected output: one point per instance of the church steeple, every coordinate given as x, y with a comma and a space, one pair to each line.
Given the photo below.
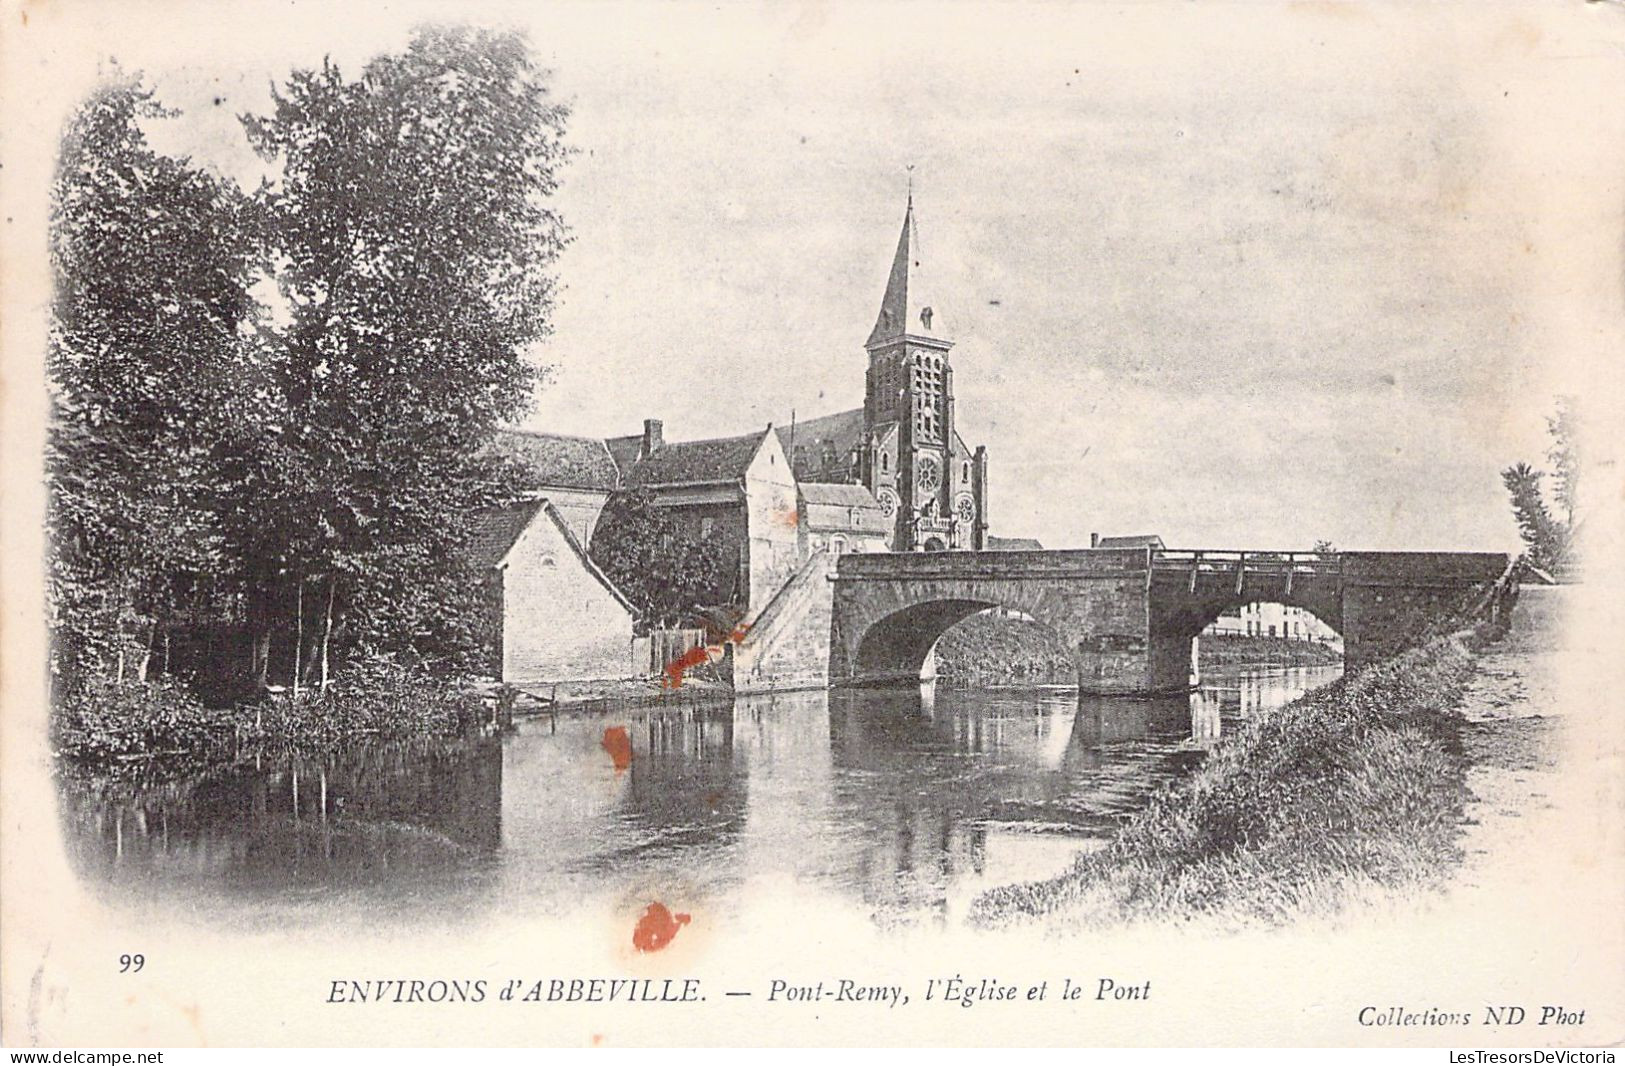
906, 310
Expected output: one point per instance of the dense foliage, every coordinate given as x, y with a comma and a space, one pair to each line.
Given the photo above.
278, 493
665, 572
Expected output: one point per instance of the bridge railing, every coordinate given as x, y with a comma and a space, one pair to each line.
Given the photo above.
1196, 563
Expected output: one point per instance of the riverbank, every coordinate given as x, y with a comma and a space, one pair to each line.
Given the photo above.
1264, 651
1359, 786
158, 728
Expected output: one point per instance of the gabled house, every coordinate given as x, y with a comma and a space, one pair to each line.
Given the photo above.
736, 490
553, 614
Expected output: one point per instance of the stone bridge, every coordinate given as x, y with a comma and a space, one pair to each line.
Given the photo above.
1129, 614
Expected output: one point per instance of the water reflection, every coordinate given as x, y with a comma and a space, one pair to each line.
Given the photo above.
905, 802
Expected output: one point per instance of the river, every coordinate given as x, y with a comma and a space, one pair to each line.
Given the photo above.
905, 803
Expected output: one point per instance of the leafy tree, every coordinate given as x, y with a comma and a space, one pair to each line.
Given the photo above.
1549, 539
665, 573
1543, 537
153, 369
413, 239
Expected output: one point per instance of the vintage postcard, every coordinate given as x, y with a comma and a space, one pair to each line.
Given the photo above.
813, 523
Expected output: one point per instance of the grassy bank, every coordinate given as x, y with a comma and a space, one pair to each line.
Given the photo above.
1262, 651
1354, 787
156, 728
988, 649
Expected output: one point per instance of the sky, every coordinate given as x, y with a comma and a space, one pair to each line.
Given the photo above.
1243, 275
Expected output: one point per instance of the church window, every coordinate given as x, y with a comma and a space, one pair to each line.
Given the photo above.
885, 463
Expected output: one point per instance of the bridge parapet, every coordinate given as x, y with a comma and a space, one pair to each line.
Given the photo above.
1423, 569
999, 565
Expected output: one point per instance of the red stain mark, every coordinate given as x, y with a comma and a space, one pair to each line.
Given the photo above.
686, 661
787, 517
697, 655
657, 927
619, 745
597, 1039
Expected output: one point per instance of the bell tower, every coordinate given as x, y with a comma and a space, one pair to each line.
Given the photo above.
910, 385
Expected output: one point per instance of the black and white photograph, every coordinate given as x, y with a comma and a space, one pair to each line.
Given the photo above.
812, 523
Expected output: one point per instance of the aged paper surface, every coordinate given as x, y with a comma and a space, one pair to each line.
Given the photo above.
1243, 275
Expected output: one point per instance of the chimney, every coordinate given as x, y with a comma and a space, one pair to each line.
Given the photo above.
652, 438
1094, 540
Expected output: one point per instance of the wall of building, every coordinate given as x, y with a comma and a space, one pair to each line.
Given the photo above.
772, 522
559, 622
579, 508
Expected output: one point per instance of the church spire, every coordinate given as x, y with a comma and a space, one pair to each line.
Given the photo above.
906, 309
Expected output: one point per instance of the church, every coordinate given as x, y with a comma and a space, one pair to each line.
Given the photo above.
902, 444
892, 475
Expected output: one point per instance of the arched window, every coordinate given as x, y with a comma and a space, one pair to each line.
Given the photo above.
885, 462
837, 544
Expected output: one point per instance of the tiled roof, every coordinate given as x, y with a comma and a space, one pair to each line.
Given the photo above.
837, 495
1013, 544
1139, 540
842, 432
554, 461
696, 462
496, 529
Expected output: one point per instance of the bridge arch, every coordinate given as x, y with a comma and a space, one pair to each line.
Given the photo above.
895, 647
884, 624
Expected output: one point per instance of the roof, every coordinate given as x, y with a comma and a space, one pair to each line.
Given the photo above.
495, 531
843, 431
837, 495
1139, 540
906, 308
554, 461
1013, 544
697, 461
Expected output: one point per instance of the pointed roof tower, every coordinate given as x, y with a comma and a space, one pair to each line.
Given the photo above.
907, 309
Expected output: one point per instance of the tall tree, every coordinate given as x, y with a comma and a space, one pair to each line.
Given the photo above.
413, 236
1565, 456
1543, 537
152, 364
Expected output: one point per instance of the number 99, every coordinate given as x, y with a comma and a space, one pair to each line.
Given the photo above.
131, 963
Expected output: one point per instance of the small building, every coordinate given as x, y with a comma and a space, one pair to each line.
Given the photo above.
554, 616
739, 490
841, 518
1271, 620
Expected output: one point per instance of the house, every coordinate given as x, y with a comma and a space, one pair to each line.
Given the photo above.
1270, 620
840, 518
554, 616
735, 491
